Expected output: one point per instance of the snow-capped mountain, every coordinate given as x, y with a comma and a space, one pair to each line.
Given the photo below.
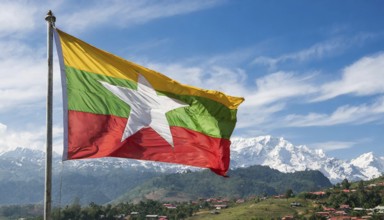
282, 155
370, 165
276, 153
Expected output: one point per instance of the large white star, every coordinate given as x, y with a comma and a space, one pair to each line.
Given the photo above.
147, 108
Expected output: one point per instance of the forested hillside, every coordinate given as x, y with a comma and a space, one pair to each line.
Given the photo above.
242, 182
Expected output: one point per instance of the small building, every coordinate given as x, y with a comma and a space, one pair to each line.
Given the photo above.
279, 197
340, 218
225, 200
320, 193
211, 200
119, 216
169, 206
322, 214
151, 217
340, 213
327, 209
379, 209
220, 206
345, 207
288, 217
295, 204
134, 215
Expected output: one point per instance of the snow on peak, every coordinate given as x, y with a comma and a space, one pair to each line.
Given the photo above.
363, 160
282, 155
23, 152
370, 165
274, 152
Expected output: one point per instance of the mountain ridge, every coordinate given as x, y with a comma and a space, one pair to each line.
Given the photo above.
282, 155
276, 153
242, 183
22, 170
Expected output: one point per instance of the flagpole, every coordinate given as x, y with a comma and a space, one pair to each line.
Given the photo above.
50, 18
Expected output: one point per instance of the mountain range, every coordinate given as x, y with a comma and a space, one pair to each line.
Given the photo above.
99, 180
276, 153
282, 155
243, 183
117, 180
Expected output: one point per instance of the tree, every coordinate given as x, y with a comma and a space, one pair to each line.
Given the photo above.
360, 186
345, 184
288, 193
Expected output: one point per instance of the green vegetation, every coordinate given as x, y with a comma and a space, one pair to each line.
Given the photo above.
108, 212
19, 211
343, 197
254, 209
243, 182
361, 195
307, 205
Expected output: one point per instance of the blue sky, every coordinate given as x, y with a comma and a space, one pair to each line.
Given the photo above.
310, 71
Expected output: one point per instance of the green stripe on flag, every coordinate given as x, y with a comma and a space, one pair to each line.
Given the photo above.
203, 115
86, 94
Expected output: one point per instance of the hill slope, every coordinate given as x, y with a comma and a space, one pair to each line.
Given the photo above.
243, 182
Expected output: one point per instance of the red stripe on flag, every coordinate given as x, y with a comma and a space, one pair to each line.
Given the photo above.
93, 136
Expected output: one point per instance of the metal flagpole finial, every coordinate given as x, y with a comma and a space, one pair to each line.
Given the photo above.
50, 17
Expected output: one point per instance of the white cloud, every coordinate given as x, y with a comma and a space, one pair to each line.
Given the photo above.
280, 86
319, 50
346, 114
3, 128
191, 75
16, 17
362, 78
333, 145
213, 77
272, 94
260, 116
10, 140
267, 97
228, 80
316, 51
129, 13
31, 138
23, 75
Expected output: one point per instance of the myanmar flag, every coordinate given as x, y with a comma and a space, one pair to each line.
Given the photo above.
116, 108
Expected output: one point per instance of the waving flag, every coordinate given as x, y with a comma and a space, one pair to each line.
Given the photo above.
116, 108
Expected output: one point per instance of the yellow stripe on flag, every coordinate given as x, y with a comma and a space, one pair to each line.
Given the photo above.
83, 56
